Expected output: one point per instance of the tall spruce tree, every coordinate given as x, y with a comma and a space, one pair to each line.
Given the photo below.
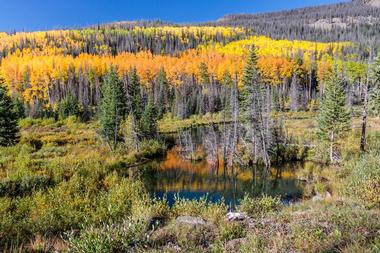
112, 108
134, 95
334, 118
204, 74
148, 121
8, 120
162, 93
256, 105
250, 77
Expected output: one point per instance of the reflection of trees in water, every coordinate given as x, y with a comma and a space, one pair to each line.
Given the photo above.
182, 172
211, 147
254, 181
186, 145
216, 144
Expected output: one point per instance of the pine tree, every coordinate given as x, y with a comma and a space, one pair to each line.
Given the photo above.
8, 120
204, 74
19, 108
148, 121
250, 77
333, 119
134, 95
112, 108
256, 106
250, 70
162, 96
69, 106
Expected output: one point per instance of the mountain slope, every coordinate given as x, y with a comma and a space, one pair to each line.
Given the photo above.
357, 21
374, 3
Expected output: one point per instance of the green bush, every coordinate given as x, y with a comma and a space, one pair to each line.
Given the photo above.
24, 186
363, 182
213, 212
29, 122
69, 106
109, 238
229, 231
253, 244
257, 207
190, 238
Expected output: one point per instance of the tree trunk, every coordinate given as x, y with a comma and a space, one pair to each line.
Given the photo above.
332, 148
363, 139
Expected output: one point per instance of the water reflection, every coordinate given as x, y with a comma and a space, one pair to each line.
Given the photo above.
192, 180
190, 172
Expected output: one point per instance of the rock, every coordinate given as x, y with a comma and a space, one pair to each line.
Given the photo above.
231, 216
191, 220
328, 195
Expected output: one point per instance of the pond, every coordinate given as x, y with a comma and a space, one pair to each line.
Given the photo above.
177, 175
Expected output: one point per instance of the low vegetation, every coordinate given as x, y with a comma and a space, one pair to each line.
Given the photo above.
63, 189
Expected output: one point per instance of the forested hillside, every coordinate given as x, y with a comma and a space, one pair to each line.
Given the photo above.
357, 21
42, 68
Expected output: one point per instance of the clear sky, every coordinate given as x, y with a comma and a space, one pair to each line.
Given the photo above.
48, 14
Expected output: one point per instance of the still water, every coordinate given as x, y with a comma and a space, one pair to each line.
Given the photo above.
178, 175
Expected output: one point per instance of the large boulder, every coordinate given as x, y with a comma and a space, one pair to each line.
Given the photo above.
234, 216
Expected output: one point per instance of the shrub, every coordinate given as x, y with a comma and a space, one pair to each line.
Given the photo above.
24, 186
229, 231
69, 106
29, 122
364, 180
108, 238
190, 238
253, 244
257, 207
213, 212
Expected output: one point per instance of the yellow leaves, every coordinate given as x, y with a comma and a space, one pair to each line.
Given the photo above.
32, 71
355, 70
280, 48
275, 69
59, 40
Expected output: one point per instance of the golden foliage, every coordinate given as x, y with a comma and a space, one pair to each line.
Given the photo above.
31, 71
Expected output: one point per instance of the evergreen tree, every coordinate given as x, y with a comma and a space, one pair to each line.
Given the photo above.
204, 74
250, 70
8, 120
148, 121
162, 96
134, 95
19, 108
333, 119
250, 77
228, 85
69, 106
256, 106
112, 108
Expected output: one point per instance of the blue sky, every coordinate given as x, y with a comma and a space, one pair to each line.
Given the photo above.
48, 14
